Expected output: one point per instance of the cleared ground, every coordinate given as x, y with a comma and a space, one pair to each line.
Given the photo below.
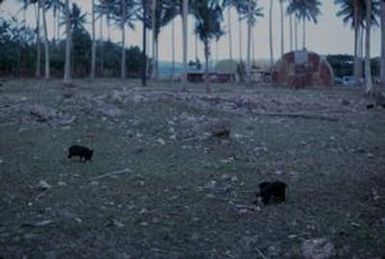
171, 190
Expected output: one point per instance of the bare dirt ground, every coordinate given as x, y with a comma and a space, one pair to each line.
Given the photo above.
160, 185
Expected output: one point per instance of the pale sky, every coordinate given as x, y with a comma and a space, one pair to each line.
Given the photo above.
329, 36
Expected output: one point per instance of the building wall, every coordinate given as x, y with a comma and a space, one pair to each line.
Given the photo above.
300, 69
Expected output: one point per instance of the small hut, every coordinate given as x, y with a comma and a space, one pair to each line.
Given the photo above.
302, 68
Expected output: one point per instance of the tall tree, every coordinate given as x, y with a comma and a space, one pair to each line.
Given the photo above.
74, 21
154, 41
208, 14
240, 6
305, 10
271, 34
37, 4
282, 27
44, 6
229, 32
55, 6
38, 41
368, 73
67, 65
93, 50
354, 12
185, 41
253, 12
163, 12
383, 43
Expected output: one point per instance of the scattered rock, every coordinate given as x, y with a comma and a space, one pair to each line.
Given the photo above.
94, 183
143, 224
61, 183
210, 185
345, 102
161, 141
369, 106
320, 248
43, 185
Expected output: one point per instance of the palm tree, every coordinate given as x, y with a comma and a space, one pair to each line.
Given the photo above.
368, 73
56, 6
305, 10
93, 51
124, 11
354, 12
291, 31
163, 13
241, 7
104, 9
38, 43
253, 12
383, 43
185, 40
44, 7
174, 12
208, 15
26, 3
282, 32
228, 4
154, 42
74, 21
67, 66
230, 36
271, 35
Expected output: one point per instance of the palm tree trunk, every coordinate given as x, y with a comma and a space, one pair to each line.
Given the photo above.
271, 35
58, 27
230, 37
368, 76
185, 39
172, 49
38, 43
291, 31
356, 41
240, 37
93, 51
196, 46
101, 45
108, 27
148, 47
216, 52
144, 45
67, 66
207, 56
248, 68
153, 16
304, 34
361, 35
383, 43
46, 44
296, 33
54, 25
282, 31
156, 65
123, 28
253, 58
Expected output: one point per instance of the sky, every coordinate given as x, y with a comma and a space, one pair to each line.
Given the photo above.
329, 36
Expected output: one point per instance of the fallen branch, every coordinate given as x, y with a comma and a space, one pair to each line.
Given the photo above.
298, 115
40, 195
123, 171
260, 253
